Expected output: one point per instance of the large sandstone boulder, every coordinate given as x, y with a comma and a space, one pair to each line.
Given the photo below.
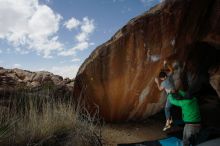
118, 77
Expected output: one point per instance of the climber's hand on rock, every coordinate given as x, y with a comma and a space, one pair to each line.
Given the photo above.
156, 80
165, 62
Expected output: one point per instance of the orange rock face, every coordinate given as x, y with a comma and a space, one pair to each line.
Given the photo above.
118, 77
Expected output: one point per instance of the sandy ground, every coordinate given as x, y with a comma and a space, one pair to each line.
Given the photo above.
150, 129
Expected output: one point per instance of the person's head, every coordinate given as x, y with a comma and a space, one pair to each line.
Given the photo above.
162, 75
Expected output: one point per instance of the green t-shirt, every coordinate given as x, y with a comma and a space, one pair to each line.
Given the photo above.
190, 108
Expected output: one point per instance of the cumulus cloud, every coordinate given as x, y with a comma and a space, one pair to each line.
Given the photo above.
82, 39
88, 25
33, 27
72, 23
64, 71
28, 24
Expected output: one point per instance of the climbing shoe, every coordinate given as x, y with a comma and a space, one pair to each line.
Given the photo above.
166, 127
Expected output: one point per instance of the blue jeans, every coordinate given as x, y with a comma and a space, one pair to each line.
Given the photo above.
167, 109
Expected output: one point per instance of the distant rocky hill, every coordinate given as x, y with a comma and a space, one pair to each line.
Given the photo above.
12, 80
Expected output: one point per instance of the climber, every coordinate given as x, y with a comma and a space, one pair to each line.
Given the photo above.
167, 84
190, 115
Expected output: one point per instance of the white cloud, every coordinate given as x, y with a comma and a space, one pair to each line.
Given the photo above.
33, 27
81, 37
79, 47
75, 60
72, 23
43, 23
17, 66
0, 51
28, 24
87, 27
65, 71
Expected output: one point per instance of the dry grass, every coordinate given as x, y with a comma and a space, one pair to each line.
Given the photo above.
47, 123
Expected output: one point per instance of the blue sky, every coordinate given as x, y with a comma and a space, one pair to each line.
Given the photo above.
58, 35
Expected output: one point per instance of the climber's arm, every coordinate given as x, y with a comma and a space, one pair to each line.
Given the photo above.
158, 85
